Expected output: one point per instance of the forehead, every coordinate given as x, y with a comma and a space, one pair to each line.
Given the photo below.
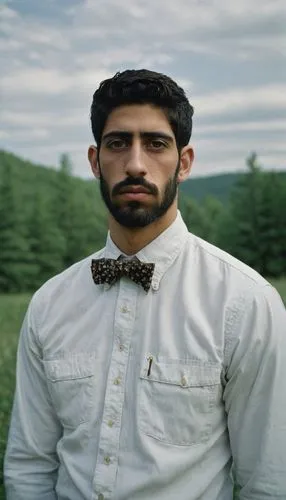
136, 118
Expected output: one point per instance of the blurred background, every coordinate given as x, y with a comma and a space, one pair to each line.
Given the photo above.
228, 56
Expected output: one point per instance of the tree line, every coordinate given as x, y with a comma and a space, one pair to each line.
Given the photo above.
252, 224
50, 219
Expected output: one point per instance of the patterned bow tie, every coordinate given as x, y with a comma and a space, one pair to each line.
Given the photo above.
110, 270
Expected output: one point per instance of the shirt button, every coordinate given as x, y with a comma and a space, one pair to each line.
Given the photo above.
110, 423
117, 381
121, 347
106, 460
183, 380
100, 496
124, 309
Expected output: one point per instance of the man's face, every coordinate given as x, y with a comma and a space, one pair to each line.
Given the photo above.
138, 165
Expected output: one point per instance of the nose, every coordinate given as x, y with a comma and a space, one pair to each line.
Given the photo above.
135, 166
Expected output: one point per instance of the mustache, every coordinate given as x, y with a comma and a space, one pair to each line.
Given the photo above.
134, 181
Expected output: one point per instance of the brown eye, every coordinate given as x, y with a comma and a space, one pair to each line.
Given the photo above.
116, 144
157, 144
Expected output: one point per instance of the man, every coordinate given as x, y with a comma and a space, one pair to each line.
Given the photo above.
153, 367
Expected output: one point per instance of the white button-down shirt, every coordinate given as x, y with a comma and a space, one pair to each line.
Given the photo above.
128, 395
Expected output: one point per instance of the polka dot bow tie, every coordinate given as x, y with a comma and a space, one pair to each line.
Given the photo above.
111, 270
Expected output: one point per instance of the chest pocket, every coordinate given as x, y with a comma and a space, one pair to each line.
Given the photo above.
177, 399
70, 382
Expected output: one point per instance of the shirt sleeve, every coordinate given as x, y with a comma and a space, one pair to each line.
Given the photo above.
254, 396
31, 463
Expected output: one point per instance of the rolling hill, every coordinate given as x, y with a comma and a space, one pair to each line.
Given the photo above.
218, 186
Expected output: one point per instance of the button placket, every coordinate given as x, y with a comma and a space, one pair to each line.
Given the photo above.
106, 469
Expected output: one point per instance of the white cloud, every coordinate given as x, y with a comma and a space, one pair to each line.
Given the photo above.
7, 14
22, 135
36, 119
233, 146
251, 126
35, 80
48, 81
271, 96
4, 134
219, 52
203, 27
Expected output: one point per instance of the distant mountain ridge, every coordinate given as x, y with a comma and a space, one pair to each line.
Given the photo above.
219, 186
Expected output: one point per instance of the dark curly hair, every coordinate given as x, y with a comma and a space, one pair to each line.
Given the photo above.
143, 87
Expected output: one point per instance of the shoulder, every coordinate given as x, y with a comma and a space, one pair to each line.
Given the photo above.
65, 286
221, 264
235, 289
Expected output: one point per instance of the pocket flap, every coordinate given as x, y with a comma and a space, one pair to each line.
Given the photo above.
190, 373
73, 367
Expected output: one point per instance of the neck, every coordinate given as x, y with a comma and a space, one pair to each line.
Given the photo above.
131, 240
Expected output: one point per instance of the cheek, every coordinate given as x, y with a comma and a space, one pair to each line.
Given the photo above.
110, 174
165, 174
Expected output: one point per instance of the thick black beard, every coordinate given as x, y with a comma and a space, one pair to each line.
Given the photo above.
134, 215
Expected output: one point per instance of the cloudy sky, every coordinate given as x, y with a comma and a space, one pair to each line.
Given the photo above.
229, 56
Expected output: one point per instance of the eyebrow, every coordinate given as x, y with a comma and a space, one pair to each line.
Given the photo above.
145, 135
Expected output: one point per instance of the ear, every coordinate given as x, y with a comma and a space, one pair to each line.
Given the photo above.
93, 160
186, 162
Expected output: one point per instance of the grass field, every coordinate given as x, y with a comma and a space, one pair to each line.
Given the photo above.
12, 310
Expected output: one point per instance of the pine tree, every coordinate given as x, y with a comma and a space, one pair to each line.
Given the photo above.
17, 268
47, 241
80, 215
254, 228
194, 216
64, 206
273, 225
213, 210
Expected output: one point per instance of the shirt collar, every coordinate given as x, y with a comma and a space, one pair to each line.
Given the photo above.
162, 251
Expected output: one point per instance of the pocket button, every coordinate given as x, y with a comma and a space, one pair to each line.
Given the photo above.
183, 381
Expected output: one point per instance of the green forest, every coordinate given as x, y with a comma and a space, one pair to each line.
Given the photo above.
50, 219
